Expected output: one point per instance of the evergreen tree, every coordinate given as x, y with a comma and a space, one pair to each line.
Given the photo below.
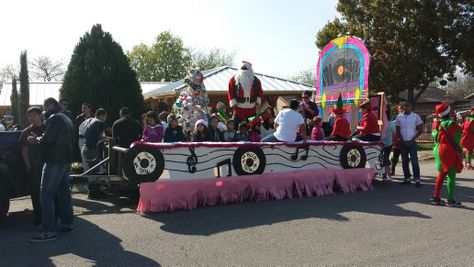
14, 99
99, 73
24, 98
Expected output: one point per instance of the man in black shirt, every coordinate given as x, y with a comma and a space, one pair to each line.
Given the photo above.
32, 157
126, 130
93, 134
57, 144
174, 132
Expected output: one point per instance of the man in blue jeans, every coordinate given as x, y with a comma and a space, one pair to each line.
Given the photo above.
409, 127
57, 142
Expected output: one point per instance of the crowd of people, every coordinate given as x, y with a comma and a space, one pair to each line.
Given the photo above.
54, 139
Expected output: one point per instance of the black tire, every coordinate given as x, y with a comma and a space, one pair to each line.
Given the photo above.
142, 164
4, 200
248, 161
352, 156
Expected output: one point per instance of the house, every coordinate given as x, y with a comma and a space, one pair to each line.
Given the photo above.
425, 105
39, 91
276, 90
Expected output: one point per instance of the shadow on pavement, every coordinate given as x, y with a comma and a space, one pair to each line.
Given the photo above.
96, 246
387, 199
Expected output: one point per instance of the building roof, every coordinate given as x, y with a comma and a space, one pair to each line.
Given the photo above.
39, 91
217, 80
433, 95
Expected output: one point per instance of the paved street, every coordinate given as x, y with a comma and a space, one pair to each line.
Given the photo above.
393, 225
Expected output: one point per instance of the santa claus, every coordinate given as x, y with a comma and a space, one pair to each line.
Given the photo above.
244, 93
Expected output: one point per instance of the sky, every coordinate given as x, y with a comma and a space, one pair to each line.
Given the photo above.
276, 36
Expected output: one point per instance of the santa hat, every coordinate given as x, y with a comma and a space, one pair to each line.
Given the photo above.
338, 108
200, 121
442, 109
246, 65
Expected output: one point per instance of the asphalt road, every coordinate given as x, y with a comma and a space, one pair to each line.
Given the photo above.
391, 226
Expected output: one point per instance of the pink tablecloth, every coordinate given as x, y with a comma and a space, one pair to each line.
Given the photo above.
190, 194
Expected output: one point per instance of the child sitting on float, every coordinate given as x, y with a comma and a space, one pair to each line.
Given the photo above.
317, 133
254, 133
341, 130
368, 128
201, 132
153, 131
242, 134
230, 135
215, 133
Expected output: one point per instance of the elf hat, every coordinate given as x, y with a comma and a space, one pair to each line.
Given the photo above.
442, 109
338, 108
220, 105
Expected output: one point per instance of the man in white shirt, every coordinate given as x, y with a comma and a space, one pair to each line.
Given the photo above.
409, 127
287, 123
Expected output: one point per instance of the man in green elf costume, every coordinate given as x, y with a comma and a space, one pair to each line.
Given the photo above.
447, 152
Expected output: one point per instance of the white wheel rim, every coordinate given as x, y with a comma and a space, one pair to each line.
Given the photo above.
353, 157
252, 158
144, 163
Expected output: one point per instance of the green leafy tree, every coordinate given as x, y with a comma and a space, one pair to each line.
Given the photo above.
307, 77
14, 99
216, 57
165, 60
99, 73
24, 98
411, 42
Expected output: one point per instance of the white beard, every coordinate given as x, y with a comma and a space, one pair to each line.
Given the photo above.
245, 78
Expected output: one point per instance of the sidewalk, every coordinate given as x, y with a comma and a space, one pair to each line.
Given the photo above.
425, 155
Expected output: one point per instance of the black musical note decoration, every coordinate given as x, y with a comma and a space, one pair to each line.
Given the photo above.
229, 167
192, 161
294, 157
305, 156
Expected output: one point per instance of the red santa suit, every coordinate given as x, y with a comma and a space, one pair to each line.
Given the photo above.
245, 92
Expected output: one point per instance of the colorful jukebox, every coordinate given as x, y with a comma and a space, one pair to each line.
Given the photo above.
343, 67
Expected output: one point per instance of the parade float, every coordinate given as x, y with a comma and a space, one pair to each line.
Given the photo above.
174, 176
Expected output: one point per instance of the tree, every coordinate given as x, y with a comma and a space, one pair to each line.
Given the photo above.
307, 77
14, 99
24, 98
216, 57
7, 73
462, 86
45, 69
99, 73
411, 42
166, 60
